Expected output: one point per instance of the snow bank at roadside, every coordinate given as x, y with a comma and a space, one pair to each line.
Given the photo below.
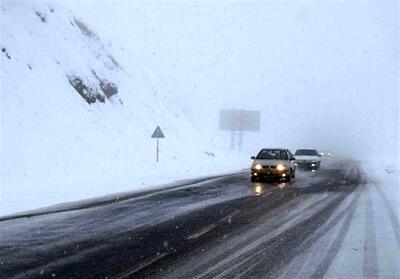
386, 176
77, 114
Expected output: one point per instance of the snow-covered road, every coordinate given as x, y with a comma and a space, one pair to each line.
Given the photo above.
332, 232
360, 240
340, 222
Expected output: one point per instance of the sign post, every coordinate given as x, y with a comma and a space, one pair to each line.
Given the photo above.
157, 134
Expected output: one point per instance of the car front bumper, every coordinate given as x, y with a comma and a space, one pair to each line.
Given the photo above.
275, 174
308, 165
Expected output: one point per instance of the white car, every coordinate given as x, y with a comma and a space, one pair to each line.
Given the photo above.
309, 159
273, 163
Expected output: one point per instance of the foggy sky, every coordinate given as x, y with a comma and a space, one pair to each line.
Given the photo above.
323, 74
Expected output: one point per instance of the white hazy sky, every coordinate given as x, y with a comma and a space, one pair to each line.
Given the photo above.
324, 74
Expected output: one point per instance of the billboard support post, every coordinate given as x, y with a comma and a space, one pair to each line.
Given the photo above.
237, 122
236, 139
240, 139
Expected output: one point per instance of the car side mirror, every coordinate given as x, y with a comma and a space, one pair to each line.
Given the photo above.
292, 159
319, 155
253, 157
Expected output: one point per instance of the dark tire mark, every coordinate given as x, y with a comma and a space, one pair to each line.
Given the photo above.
249, 208
337, 243
121, 250
392, 215
245, 241
370, 267
275, 254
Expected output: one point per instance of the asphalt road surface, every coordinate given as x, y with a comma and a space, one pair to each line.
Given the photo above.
221, 227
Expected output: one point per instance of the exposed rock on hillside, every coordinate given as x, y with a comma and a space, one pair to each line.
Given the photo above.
90, 94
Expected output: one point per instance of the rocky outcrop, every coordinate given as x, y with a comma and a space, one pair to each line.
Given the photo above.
88, 93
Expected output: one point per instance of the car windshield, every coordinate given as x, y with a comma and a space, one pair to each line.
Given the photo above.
272, 154
306, 152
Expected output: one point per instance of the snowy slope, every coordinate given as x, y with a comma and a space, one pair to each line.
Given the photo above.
58, 144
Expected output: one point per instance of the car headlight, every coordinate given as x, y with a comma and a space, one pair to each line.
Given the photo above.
258, 167
280, 167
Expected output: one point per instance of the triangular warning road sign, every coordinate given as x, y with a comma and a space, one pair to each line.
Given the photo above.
158, 134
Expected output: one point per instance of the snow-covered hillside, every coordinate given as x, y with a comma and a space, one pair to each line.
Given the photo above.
77, 115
